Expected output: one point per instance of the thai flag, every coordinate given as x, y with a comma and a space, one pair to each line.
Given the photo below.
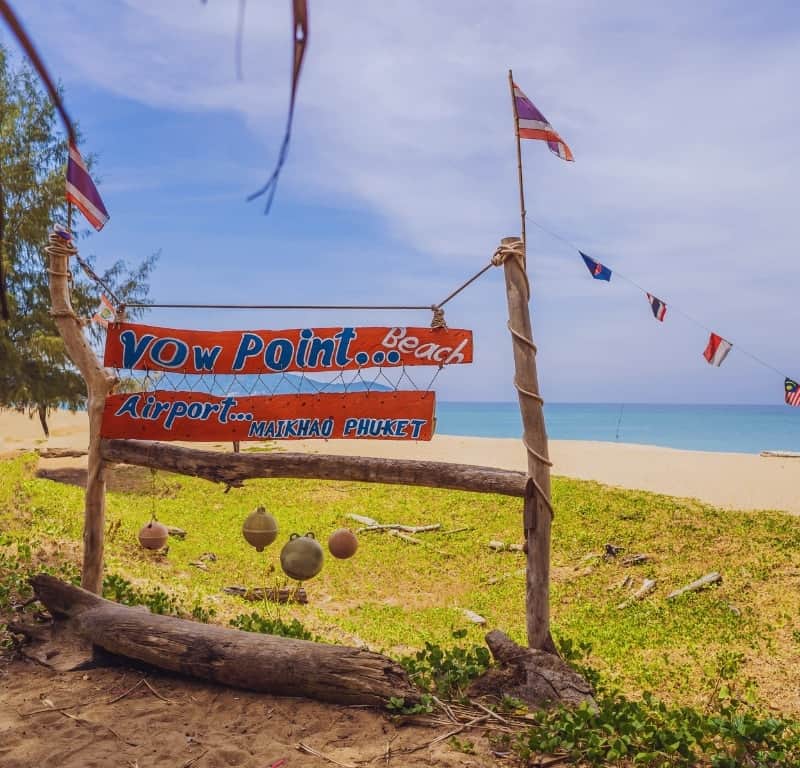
597, 270
659, 307
82, 192
532, 124
716, 350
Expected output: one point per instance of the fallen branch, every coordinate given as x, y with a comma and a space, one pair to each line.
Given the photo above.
648, 585
635, 559
62, 453
363, 519
413, 540
475, 618
311, 751
701, 583
273, 594
127, 693
400, 527
624, 584
156, 693
501, 546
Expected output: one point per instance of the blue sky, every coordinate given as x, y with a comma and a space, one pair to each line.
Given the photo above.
401, 180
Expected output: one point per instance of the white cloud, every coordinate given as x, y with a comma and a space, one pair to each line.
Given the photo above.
681, 116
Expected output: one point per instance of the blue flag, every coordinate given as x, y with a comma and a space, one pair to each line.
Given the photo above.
598, 271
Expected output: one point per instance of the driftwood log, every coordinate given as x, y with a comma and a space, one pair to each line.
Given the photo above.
249, 660
233, 468
536, 677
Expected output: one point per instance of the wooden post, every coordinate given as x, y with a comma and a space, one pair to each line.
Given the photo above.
99, 382
537, 511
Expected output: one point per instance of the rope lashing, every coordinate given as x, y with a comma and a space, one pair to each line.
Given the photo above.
438, 320
503, 253
62, 244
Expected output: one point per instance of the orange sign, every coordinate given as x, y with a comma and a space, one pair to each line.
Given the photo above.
196, 416
146, 347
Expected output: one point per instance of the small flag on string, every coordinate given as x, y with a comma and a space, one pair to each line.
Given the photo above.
597, 270
716, 350
105, 312
82, 192
659, 307
792, 392
532, 124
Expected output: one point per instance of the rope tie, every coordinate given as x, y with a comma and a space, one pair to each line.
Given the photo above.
60, 243
511, 251
438, 317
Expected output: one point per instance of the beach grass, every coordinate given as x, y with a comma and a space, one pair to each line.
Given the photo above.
395, 596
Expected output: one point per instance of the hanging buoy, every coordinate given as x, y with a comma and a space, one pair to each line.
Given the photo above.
301, 557
342, 543
153, 535
260, 529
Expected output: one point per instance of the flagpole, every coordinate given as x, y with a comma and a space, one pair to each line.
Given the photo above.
519, 161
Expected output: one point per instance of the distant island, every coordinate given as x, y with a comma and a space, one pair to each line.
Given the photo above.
264, 384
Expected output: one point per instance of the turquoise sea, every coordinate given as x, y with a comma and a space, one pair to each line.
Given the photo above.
729, 428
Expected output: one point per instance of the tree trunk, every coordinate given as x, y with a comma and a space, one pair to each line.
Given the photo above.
248, 660
99, 382
42, 411
232, 468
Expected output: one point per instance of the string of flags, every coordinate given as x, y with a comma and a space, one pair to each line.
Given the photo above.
105, 312
659, 307
531, 124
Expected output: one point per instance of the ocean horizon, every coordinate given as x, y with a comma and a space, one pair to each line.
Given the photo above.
725, 428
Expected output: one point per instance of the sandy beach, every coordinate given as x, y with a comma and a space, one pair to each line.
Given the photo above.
731, 480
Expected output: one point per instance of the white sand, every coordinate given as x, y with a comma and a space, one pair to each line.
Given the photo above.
732, 480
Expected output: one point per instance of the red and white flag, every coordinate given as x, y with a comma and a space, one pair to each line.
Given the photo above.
82, 192
532, 124
716, 350
105, 312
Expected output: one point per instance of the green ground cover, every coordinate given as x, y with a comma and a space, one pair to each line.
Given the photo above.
396, 596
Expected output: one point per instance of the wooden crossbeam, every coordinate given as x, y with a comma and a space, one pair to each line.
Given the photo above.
233, 468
